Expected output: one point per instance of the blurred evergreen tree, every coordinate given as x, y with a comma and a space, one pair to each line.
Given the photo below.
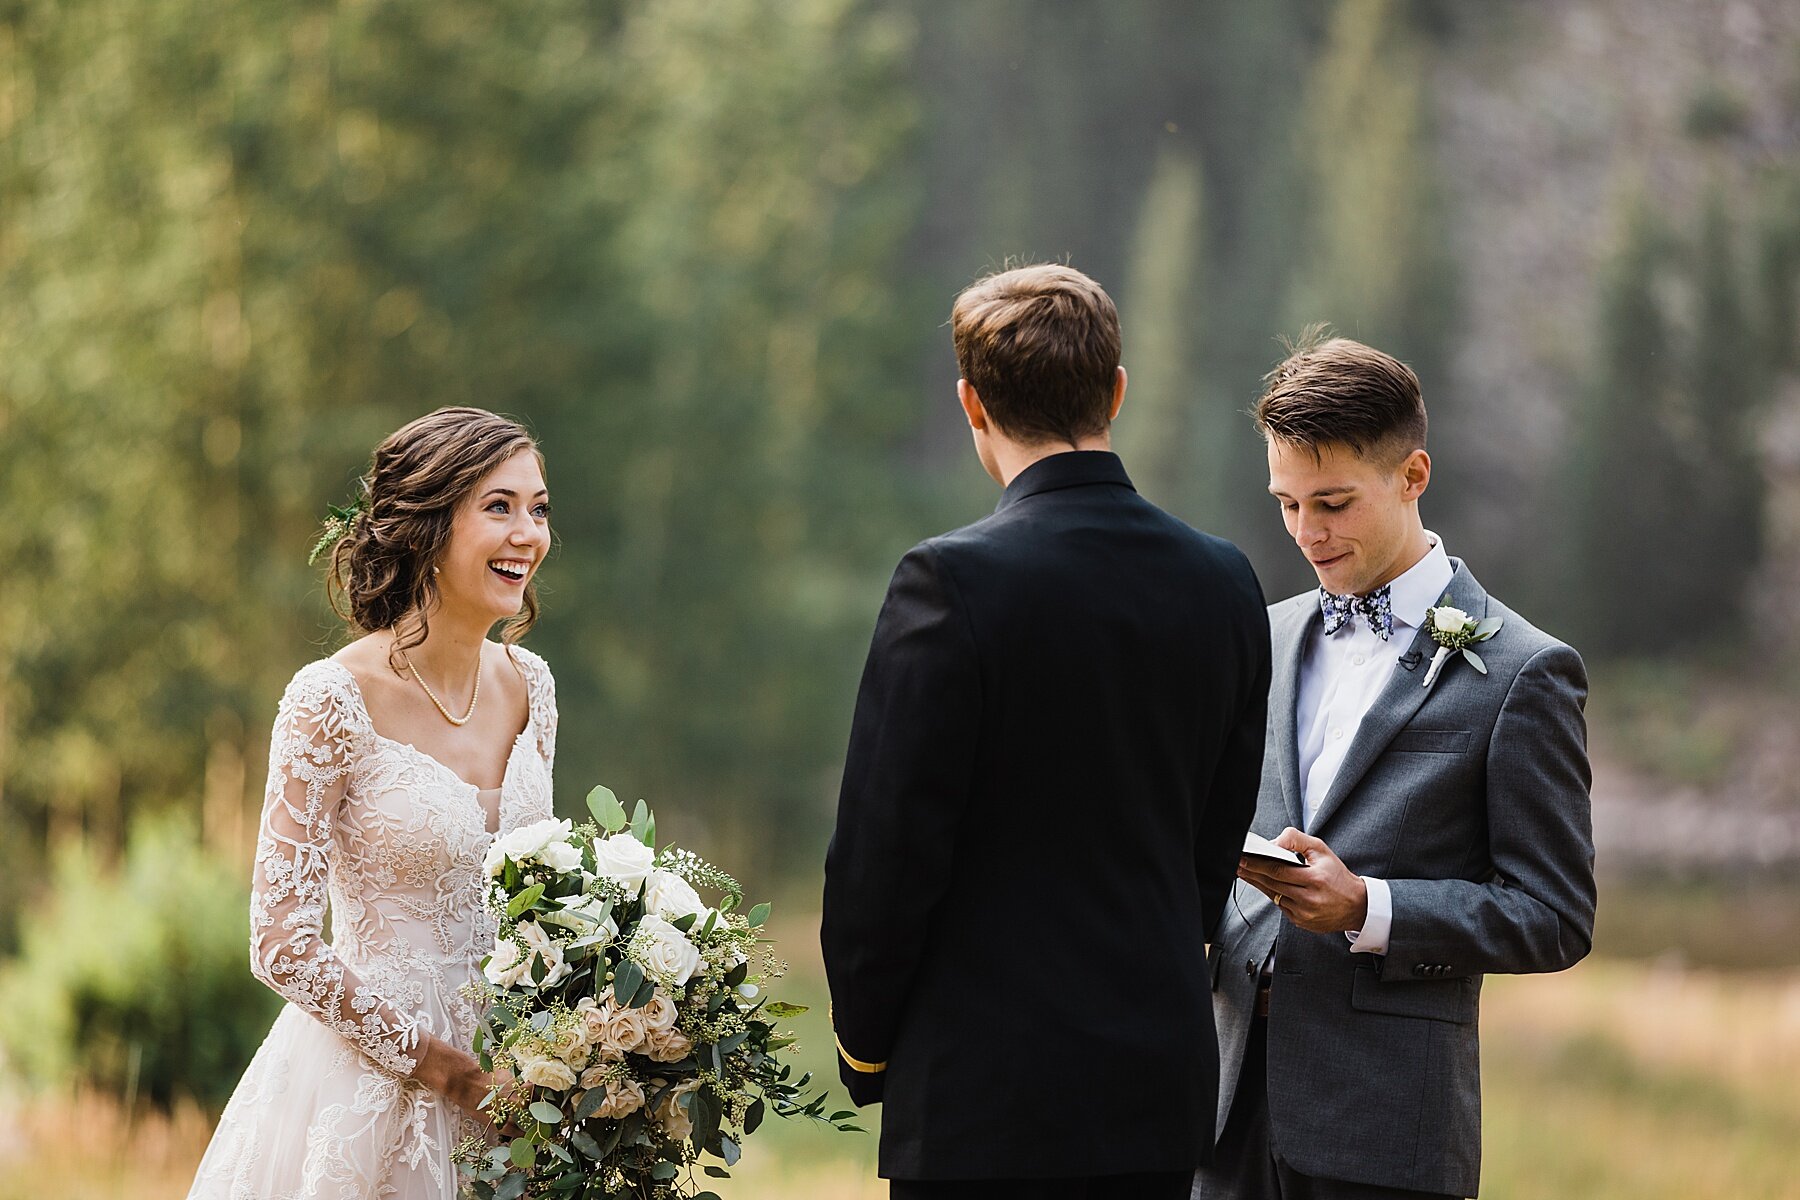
1727, 387
239, 246
1628, 512
1158, 434
1374, 261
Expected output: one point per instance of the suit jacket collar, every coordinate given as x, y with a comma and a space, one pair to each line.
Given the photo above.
1292, 628
1072, 468
1394, 707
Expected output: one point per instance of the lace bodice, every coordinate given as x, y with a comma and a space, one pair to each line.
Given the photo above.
391, 841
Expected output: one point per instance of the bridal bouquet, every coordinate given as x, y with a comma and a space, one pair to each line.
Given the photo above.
627, 1008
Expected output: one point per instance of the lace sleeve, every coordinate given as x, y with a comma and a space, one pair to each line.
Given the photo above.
309, 754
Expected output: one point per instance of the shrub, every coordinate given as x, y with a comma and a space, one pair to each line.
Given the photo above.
137, 980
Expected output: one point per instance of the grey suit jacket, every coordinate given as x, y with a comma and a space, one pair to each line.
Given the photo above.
1471, 800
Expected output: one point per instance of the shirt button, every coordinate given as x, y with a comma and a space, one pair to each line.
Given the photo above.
1359, 660
1337, 733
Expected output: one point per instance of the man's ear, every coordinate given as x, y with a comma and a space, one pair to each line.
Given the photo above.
1118, 394
972, 407
1415, 475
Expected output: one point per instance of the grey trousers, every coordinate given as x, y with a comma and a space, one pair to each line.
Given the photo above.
1245, 1166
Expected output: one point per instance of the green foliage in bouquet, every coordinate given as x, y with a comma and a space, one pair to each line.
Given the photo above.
630, 1015
138, 981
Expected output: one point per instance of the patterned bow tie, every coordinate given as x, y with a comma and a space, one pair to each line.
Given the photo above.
1376, 608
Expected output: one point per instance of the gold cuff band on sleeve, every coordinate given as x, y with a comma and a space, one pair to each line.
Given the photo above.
855, 1064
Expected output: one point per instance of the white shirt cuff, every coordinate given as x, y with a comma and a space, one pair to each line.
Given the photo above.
1373, 938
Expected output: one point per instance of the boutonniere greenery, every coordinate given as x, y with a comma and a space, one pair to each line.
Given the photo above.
1455, 631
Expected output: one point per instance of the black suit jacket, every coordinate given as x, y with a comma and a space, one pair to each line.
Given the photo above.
1055, 755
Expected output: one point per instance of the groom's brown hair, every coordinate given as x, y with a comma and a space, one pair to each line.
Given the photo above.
1333, 391
1040, 346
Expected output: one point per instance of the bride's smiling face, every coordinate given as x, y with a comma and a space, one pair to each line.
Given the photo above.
498, 539
1353, 517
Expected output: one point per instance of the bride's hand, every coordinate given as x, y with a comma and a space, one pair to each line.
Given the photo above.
456, 1075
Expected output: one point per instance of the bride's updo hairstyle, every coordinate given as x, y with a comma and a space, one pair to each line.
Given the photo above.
381, 570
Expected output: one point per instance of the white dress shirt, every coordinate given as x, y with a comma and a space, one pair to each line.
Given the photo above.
1341, 674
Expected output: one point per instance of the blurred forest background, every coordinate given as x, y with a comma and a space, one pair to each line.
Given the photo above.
706, 249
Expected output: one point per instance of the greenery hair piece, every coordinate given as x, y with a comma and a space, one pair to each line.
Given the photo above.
337, 527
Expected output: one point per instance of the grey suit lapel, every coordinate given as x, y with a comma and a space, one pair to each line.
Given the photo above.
1284, 694
1398, 702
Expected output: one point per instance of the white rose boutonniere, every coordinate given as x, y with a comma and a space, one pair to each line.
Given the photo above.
1455, 630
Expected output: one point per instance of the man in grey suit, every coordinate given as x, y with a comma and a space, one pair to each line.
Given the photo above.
1441, 810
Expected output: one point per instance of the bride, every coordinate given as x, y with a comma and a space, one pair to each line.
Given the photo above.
392, 766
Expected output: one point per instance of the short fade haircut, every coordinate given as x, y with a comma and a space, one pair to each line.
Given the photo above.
1040, 345
1333, 391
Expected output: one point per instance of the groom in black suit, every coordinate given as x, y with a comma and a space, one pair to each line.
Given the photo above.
1054, 758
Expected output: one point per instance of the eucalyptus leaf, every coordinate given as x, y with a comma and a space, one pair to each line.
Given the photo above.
511, 1188
587, 1145
758, 915
546, 1112
591, 1101
1487, 629
522, 1153
664, 1170
1475, 661
626, 981
609, 814
523, 901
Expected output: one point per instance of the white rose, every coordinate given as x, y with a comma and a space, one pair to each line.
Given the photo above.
624, 860
560, 857
541, 945
507, 965
546, 1072
522, 845
1449, 620
671, 897
663, 951
525, 842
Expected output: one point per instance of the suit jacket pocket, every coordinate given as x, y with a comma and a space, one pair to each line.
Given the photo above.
1431, 741
1452, 1000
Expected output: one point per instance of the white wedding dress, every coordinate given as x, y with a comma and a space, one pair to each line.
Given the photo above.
392, 840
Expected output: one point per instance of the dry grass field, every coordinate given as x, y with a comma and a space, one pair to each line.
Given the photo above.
1616, 1079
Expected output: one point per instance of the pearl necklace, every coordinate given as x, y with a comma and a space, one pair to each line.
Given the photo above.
473, 698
